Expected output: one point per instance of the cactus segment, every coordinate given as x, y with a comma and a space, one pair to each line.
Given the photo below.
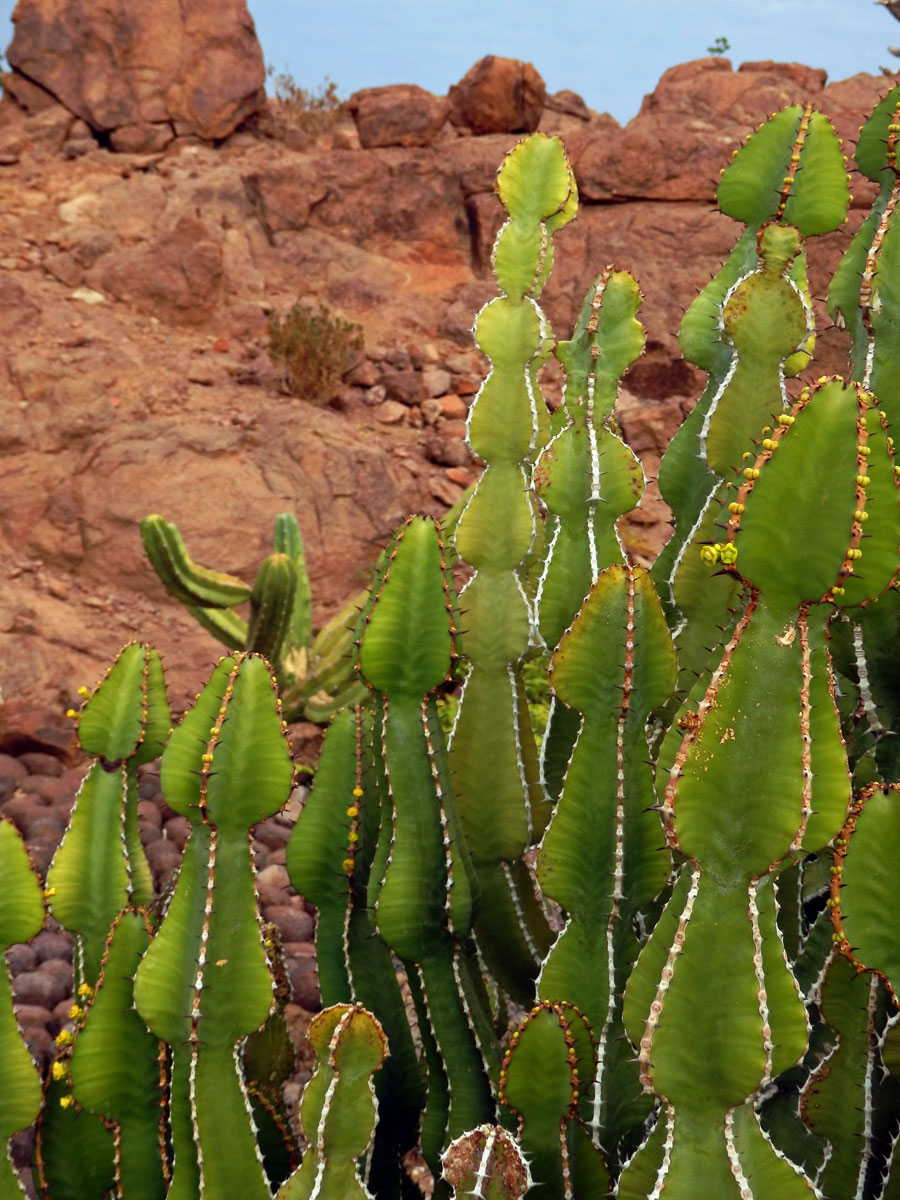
223, 623
89, 877
188, 582
815, 536
540, 1081
860, 884
116, 1066
838, 1101
876, 148
128, 713
486, 1162
288, 540
426, 890
614, 665
272, 606
74, 1153
21, 917
204, 979
586, 476
791, 168
338, 1109
320, 853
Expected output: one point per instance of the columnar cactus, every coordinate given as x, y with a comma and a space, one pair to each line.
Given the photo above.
586, 477
613, 666
338, 1108
492, 745
204, 981
749, 329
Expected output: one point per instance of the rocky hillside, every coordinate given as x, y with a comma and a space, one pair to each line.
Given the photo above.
137, 270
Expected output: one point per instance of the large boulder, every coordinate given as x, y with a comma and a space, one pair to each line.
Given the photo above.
150, 70
697, 114
400, 115
498, 95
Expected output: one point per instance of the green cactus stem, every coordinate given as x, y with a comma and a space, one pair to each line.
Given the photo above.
846, 1098
100, 867
613, 666
547, 1067
863, 870
21, 916
863, 294
492, 745
586, 477
329, 862
191, 584
338, 1108
118, 1068
423, 890
204, 982
790, 175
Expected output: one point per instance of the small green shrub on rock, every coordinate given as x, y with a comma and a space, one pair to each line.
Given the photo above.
316, 348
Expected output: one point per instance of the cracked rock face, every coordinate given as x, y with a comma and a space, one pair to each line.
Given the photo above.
143, 73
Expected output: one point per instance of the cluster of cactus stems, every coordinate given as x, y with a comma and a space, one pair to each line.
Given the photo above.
653, 954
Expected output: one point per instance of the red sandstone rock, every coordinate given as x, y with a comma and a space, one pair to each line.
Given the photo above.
400, 115
179, 275
131, 65
498, 95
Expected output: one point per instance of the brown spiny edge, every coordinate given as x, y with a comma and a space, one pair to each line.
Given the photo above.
788, 180
841, 843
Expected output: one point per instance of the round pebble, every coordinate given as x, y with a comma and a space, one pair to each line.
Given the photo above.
177, 830
47, 787
38, 988
305, 983
38, 762
149, 814
12, 767
21, 958
51, 944
163, 857
293, 925
273, 885
33, 1016
273, 833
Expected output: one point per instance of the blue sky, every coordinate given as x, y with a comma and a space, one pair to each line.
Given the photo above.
611, 52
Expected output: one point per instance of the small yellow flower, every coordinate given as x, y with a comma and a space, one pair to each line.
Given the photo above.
709, 555
728, 553
75, 1013
85, 990
65, 1037
347, 865
59, 1071
66, 1101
